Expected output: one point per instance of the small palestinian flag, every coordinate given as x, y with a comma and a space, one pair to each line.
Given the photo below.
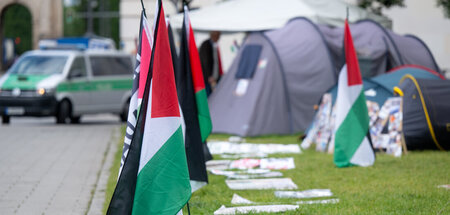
352, 140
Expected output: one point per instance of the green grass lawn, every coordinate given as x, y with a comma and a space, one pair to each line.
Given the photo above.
406, 185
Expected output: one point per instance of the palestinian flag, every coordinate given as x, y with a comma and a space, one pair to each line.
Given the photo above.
155, 177
352, 141
204, 117
191, 97
139, 77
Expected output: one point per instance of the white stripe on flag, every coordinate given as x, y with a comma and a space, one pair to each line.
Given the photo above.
346, 96
156, 132
364, 154
148, 31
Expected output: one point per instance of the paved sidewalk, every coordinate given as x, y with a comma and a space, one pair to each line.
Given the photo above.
54, 169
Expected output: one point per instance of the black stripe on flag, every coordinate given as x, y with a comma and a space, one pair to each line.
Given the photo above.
186, 97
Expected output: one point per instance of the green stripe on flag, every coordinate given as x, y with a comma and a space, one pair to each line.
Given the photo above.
204, 119
163, 184
351, 132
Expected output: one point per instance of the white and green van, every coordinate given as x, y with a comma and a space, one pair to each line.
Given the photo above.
67, 84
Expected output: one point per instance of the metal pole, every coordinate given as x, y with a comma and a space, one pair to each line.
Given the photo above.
90, 28
143, 8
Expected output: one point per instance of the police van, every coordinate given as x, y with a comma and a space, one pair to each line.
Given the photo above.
67, 82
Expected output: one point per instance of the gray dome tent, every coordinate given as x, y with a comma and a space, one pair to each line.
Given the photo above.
279, 75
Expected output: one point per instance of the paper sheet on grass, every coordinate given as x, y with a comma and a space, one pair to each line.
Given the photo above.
262, 184
224, 147
265, 163
249, 155
325, 201
246, 174
217, 164
255, 209
314, 193
446, 186
239, 200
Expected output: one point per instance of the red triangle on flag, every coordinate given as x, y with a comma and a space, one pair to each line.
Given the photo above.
353, 73
164, 93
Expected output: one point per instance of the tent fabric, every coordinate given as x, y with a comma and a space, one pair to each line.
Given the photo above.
378, 49
426, 118
258, 15
297, 65
285, 79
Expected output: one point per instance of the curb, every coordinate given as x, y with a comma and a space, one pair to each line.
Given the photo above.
98, 197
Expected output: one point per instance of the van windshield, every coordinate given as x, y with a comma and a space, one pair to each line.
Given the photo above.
39, 65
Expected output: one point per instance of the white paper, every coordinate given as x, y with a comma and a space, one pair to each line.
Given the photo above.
256, 209
224, 147
239, 200
218, 164
264, 175
241, 87
250, 173
314, 193
261, 184
446, 186
277, 163
325, 201
265, 163
245, 163
250, 155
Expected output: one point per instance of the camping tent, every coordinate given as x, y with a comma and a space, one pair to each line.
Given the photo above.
282, 87
258, 15
379, 88
426, 113
276, 79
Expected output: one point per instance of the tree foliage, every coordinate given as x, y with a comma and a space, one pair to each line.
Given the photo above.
376, 6
75, 25
17, 25
446, 5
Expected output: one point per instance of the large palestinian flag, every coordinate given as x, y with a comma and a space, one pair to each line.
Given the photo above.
155, 177
352, 142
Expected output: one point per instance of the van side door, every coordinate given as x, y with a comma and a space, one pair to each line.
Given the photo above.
77, 86
112, 78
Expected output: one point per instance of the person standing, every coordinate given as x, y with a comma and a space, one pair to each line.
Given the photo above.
211, 62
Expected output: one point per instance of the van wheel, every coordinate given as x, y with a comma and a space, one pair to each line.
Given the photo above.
75, 119
63, 112
5, 119
124, 114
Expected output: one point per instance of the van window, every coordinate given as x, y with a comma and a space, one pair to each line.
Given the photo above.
78, 68
111, 65
39, 65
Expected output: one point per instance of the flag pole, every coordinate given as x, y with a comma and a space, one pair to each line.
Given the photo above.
143, 8
345, 17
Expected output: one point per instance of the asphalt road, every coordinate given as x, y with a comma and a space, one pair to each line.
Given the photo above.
47, 168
